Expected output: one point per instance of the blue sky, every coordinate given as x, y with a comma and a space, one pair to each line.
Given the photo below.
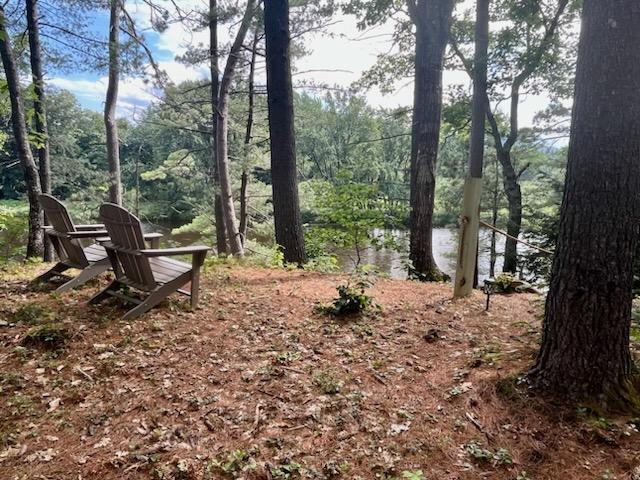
338, 58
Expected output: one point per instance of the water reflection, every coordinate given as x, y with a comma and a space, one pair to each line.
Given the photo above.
389, 261
445, 243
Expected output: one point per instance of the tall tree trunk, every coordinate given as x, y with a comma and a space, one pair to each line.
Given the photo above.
511, 182
284, 174
113, 145
44, 164
221, 232
137, 173
244, 179
494, 221
585, 342
35, 244
511, 178
222, 131
467, 268
432, 19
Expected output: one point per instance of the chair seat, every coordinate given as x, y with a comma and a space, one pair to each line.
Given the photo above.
95, 253
166, 269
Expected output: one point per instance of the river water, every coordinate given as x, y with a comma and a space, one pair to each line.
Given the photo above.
445, 244
393, 262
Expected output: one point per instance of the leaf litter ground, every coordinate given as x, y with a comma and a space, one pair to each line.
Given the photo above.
256, 385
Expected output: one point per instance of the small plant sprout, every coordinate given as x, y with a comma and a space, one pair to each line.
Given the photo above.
327, 382
352, 297
233, 464
413, 475
478, 452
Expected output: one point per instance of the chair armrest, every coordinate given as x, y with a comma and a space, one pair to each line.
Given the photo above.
54, 233
47, 227
153, 239
88, 234
104, 237
96, 226
168, 252
108, 245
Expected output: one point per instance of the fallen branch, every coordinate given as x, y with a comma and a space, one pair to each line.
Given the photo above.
478, 425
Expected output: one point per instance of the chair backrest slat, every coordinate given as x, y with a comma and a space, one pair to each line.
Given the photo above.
68, 249
126, 236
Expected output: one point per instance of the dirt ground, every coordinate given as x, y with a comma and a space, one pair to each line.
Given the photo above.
256, 385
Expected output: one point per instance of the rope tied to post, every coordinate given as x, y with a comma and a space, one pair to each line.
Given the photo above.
502, 232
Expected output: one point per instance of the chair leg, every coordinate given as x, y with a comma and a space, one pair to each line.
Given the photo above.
195, 288
196, 264
106, 293
157, 296
56, 270
87, 274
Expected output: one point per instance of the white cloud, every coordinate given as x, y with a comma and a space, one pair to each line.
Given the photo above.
134, 93
338, 58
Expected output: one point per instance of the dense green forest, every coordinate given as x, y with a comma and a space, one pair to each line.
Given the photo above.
339, 139
165, 147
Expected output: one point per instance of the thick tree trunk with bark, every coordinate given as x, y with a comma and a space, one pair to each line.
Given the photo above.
284, 175
35, 244
585, 343
221, 233
432, 19
110, 123
44, 164
222, 132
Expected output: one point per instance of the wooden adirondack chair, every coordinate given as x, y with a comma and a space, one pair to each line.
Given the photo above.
147, 270
66, 239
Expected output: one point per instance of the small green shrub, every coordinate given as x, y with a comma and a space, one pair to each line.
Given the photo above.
52, 336
286, 471
505, 283
285, 358
327, 382
348, 215
11, 381
14, 227
34, 314
475, 450
478, 452
231, 464
352, 297
413, 475
21, 353
502, 457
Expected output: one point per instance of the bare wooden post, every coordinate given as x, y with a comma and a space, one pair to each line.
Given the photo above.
468, 241
469, 223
